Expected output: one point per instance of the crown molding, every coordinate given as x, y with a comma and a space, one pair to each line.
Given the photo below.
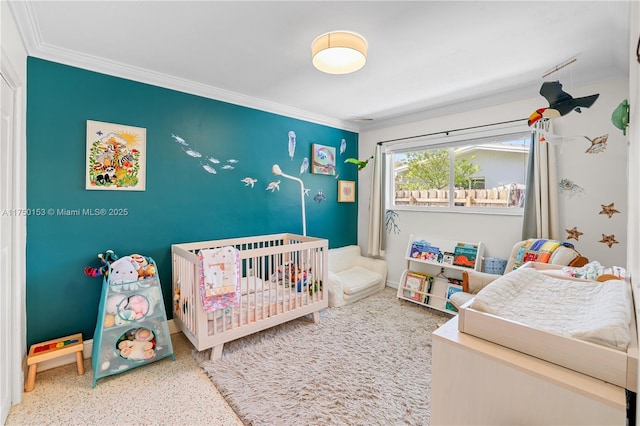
28, 26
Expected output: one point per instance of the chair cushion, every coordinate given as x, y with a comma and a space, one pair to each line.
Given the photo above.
343, 258
544, 251
357, 279
460, 298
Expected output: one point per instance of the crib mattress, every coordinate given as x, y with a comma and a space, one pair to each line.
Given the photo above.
583, 325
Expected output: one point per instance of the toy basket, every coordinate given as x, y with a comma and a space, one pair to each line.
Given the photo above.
131, 329
494, 265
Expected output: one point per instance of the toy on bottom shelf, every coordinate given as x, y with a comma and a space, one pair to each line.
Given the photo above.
138, 343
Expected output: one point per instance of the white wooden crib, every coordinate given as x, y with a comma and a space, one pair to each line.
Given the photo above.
282, 276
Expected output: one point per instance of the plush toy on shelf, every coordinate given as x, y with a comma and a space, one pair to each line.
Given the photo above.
106, 259
145, 268
140, 348
124, 272
139, 306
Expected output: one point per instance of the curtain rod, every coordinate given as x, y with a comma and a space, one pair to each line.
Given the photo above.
446, 132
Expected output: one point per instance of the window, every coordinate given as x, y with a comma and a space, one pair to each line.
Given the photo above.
483, 173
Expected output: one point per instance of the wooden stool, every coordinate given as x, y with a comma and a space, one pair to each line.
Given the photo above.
51, 349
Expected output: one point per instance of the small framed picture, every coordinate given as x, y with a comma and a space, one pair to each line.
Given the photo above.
116, 157
323, 159
346, 191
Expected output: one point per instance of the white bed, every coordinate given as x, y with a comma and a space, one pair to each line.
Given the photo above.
583, 325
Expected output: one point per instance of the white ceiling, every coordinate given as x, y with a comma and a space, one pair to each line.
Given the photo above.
423, 55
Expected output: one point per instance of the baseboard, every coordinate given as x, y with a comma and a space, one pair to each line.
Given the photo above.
86, 353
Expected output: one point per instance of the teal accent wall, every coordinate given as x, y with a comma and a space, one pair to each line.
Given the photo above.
182, 202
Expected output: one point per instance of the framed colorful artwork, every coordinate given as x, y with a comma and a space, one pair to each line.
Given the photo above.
116, 157
346, 191
323, 159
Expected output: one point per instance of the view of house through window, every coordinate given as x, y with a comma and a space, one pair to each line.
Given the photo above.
483, 173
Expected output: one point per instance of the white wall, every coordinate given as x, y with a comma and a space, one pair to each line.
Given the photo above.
603, 177
633, 172
633, 233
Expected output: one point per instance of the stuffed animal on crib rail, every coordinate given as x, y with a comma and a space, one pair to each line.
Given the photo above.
106, 259
141, 347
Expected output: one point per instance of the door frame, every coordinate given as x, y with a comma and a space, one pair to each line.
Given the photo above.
17, 315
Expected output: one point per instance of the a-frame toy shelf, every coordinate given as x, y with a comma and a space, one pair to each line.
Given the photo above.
132, 327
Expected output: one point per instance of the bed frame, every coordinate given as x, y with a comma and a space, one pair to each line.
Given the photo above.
610, 365
263, 260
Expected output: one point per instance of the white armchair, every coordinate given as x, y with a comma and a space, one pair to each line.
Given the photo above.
353, 276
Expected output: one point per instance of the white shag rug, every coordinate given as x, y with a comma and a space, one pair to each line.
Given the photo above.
366, 363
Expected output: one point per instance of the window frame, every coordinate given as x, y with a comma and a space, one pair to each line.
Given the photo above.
446, 141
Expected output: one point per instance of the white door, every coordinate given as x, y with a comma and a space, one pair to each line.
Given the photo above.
6, 242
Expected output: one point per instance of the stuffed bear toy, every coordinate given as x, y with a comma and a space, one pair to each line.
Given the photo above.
140, 348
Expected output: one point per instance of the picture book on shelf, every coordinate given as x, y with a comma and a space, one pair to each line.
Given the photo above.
427, 289
465, 255
451, 289
413, 287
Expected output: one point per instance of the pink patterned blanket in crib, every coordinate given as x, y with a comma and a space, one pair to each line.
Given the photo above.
219, 277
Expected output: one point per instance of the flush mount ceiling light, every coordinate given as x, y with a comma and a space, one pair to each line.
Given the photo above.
339, 52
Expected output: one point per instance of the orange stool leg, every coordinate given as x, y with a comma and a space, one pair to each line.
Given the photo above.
80, 362
31, 378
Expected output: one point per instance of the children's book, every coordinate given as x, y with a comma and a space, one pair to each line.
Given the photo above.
427, 288
465, 255
451, 289
414, 286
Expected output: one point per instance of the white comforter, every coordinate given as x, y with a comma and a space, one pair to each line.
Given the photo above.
588, 310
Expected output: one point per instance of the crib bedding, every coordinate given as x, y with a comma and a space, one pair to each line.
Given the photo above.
260, 299
596, 312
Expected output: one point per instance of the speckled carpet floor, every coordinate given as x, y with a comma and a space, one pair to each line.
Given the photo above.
364, 363
165, 392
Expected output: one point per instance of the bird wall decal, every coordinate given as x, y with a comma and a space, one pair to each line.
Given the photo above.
361, 164
560, 102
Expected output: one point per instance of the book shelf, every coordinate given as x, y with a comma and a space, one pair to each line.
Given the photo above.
434, 270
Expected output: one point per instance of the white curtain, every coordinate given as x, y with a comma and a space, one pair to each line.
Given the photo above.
541, 218
376, 206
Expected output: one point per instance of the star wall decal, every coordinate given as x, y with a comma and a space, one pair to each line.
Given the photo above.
573, 233
609, 210
608, 240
